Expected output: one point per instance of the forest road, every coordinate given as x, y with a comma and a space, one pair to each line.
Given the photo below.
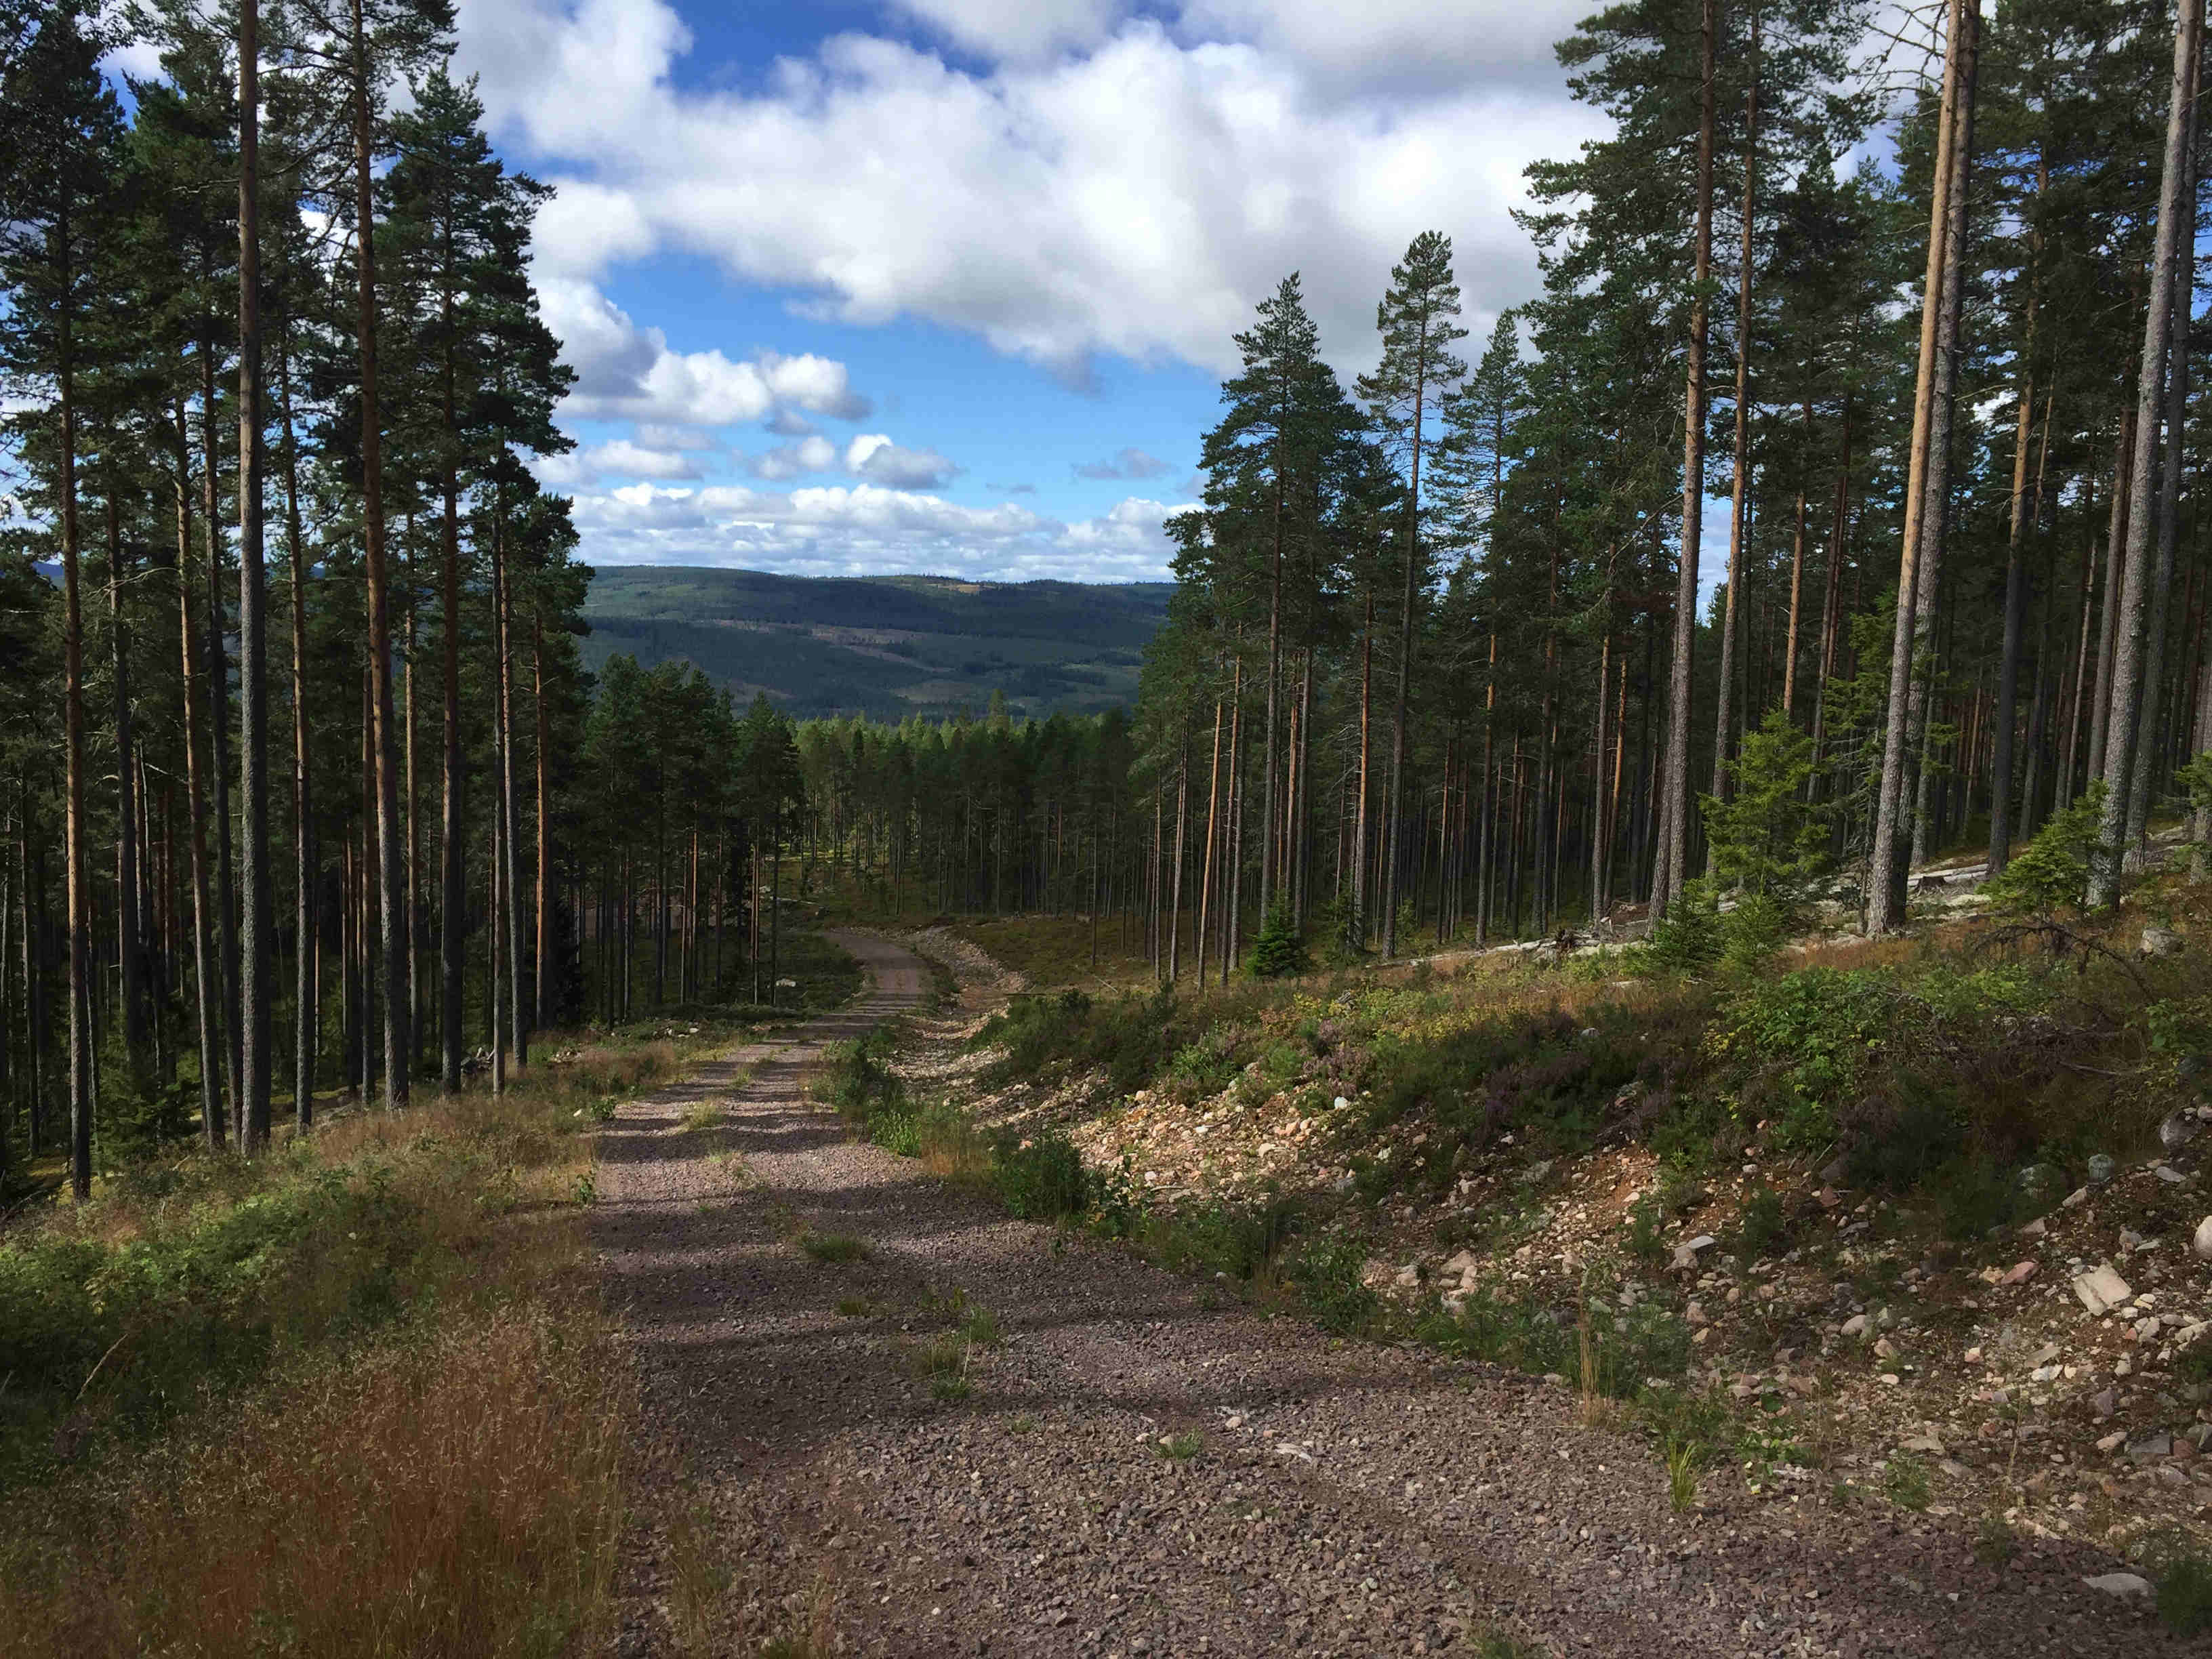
1318, 1496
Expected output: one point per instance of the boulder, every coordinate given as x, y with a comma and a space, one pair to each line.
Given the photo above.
2019, 1274
2159, 941
2202, 1243
2102, 1168
2178, 1130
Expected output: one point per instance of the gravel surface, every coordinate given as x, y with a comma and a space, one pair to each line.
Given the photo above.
1317, 1496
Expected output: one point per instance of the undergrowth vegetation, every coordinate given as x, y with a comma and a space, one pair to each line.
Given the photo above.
354, 1397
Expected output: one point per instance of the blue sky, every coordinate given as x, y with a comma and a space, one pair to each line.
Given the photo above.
876, 285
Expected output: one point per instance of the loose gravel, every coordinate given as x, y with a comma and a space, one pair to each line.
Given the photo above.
1143, 1466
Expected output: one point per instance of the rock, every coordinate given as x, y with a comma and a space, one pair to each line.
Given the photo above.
2045, 1354
2102, 1168
1408, 1276
1686, 1252
2159, 941
2177, 1131
2198, 1435
1694, 1316
1884, 1348
2119, 1584
2112, 1442
2019, 1274
1827, 1198
1459, 1264
2131, 1239
2157, 1443
2172, 1176
1971, 1357
1926, 1443
2035, 1229
2202, 1243
2101, 1290
1835, 1173
1855, 1325
2075, 1200
2146, 1327
2105, 1404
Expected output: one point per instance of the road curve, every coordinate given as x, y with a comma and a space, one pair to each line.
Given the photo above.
1323, 1498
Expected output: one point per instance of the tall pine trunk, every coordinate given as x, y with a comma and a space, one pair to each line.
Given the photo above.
2127, 702
2016, 600
1740, 486
389, 894
1885, 874
1674, 843
256, 972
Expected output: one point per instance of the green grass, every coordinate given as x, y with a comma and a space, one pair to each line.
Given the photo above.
1180, 1448
834, 1246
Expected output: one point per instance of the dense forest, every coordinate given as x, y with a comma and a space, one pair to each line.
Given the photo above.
1915, 304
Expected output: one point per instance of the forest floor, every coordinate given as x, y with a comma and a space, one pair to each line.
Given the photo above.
885, 1418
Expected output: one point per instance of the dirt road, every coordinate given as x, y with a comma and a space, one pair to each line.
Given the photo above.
1316, 1497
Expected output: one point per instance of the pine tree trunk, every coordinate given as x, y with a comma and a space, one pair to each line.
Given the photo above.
207, 973
79, 887
2116, 536
129, 921
307, 1011
1674, 850
542, 979
2136, 841
2015, 600
256, 981
510, 886
2125, 725
1738, 491
390, 897
1885, 870
218, 690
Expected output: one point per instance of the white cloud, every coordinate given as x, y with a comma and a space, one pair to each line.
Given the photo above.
866, 529
627, 371
635, 460
1004, 29
812, 454
875, 457
1383, 41
1123, 464
1137, 197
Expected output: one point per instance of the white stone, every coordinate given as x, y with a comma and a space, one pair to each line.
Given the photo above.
1855, 1325
1460, 1262
2119, 1584
1685, 1253
2101, 1290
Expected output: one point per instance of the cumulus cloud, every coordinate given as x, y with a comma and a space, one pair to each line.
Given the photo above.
637, 461
1124, 464
811, 454
1134, 192
874, 456
625, 371
866, 529
1001, 29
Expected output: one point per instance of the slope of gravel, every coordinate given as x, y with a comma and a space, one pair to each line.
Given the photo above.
1326, 1498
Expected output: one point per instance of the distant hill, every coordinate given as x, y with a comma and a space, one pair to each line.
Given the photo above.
882, 646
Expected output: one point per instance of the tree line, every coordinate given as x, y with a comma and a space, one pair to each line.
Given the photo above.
276, 294
1446, 651
1916, 306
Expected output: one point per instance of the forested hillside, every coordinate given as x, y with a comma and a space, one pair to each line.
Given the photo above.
885, 647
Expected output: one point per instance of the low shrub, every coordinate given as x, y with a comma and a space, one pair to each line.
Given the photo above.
1040, 1178
1329, 1277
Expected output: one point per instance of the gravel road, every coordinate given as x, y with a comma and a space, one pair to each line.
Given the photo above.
1323, 1498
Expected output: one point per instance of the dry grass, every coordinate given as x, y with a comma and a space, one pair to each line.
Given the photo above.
456, 1494
397, 1425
